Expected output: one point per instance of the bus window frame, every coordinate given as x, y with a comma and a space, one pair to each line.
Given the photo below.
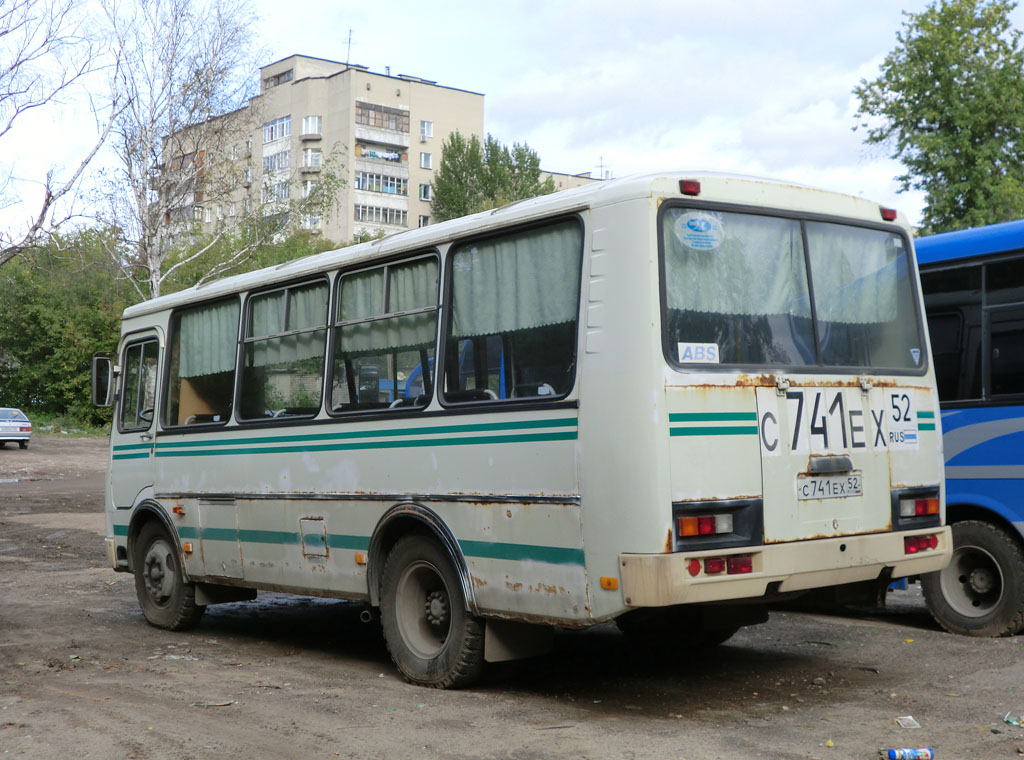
243, 339
982, 261
139, 340
402, 257
512, 402
668, 349
165, 391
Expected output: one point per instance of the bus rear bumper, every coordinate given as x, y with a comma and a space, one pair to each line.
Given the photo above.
658, 580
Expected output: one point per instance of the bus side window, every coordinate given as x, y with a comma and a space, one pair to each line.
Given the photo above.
138, 397
384, 337
511, 328
283, 356
203, 352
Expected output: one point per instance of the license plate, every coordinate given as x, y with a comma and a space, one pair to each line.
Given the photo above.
829, 486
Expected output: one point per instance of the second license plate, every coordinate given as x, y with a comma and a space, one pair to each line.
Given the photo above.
829, 486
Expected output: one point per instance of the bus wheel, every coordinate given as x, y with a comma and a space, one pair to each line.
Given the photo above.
981, 593
167, 601
432, 639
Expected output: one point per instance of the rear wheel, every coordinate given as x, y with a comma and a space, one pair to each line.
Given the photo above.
432, 638
22, 444
981, 592
167, 601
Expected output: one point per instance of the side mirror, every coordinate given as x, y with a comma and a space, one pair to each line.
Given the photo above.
102, 381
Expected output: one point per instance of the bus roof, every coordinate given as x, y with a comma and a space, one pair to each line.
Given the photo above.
976, 241
716, 186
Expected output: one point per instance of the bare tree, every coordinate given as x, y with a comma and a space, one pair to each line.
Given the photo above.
188, 191
45, 52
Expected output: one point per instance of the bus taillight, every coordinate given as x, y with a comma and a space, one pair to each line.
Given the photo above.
915, 544
919, 507
705, 525
689, 186
888, 214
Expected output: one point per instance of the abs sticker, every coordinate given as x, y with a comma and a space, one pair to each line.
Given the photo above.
699, 231
698, 353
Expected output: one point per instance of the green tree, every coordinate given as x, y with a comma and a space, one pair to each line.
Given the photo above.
475, 176
57, 309
949, 103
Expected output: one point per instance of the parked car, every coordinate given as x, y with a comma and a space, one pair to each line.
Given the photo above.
14, 426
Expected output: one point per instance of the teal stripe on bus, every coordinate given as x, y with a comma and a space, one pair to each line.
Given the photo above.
120, 530
132, 446
926, 415
736, 430
713, 417
554, 555
378, 433
926, 426
143, 455
414, 443
186, 531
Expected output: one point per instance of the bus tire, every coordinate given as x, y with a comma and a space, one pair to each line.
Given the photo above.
981, 592
432, 638
166, 599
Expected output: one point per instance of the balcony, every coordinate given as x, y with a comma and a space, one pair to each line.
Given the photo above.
382, 136
307, 136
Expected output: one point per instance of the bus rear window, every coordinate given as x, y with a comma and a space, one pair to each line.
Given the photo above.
758, 290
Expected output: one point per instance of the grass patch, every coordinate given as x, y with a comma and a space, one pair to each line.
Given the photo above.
61, 424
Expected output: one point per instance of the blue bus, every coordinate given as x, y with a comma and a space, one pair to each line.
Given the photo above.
973, 282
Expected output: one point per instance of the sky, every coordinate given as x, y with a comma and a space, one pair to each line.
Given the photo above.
756, 87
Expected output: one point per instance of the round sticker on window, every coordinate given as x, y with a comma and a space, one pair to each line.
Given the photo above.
699, 231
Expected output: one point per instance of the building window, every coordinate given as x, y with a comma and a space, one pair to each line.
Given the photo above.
424, 192
197, 213
274, 81
396, 216
277, 161
278, 191
373, 115
424, 221
233, 209
381, 183
426, 129
277, 129
209, 214
312, 157
311, 221
220, 213
311, 125
426, 161
234, 151
308, 187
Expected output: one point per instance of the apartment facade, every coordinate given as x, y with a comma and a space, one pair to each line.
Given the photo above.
380, 134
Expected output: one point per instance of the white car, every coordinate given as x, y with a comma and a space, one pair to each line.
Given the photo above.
14, 426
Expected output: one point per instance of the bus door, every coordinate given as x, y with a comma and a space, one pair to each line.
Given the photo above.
132, 434
825, 458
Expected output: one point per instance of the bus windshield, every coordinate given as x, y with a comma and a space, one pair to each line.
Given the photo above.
752, 289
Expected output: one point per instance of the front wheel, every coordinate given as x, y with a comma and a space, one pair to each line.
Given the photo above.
432, 638
981, 592
167, 601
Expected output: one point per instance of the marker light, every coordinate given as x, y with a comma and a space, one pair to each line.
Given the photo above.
704, 525
187, 547
740, 563
689, 186
360, 558
713, 565
694, 567
915, 544
919, 507
888, 214
609, 583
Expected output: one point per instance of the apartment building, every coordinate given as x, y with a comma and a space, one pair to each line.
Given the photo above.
380, 133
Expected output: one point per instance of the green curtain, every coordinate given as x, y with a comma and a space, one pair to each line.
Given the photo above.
528, 279
208, 337
856, 273
734, 264
307, 311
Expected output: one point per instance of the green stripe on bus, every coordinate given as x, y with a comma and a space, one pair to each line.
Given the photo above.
554, 555
713, 417
416, 443
738, 430
143, 455
380, 433
132, 446
282, 537
926, 415
188, 532
926, 426
120, 530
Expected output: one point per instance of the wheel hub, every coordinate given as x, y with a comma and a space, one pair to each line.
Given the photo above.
981, 580
156, 574
436, 608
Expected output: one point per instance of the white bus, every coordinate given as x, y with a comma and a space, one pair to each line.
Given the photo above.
666, 400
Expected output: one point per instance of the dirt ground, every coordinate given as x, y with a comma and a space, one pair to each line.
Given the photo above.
82, 675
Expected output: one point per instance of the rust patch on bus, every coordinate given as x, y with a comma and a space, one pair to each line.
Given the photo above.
669, 543
477, 582
544, 588
513, 586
